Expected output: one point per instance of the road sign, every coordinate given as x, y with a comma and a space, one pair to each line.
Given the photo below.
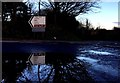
38, 23
37, 58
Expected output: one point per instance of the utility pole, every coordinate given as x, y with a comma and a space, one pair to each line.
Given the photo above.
42, 36
42, 33
39, 7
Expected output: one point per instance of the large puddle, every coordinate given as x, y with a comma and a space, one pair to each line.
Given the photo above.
64, 63
58, 67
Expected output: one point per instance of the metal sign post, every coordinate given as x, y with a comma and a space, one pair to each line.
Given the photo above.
38, 23
37, 59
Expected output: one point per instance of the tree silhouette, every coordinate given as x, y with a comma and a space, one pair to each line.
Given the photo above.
59, 67
61, 17
71, 8
61, 23
15, 20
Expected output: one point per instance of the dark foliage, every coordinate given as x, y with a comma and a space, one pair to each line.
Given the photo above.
60, 22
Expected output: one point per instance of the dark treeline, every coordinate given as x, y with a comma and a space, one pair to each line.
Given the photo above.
60, 23
99, 34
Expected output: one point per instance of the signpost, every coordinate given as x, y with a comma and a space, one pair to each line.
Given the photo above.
38, 23
37, 58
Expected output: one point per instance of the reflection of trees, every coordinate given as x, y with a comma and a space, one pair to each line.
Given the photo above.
12, 65
61, 68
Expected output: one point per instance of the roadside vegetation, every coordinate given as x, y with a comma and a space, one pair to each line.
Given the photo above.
60, 22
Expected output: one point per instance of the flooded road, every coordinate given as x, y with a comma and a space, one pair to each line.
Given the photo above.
97, 61
103, 60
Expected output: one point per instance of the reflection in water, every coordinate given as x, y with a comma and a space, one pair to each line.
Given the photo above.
97, 52
67, 68
101, 61
59, 67
12, 65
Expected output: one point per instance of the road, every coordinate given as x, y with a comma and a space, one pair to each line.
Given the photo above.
101, 58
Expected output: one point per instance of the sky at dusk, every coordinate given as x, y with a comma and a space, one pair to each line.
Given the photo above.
106, 17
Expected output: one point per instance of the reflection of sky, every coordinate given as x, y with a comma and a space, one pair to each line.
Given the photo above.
97, 52
107, 14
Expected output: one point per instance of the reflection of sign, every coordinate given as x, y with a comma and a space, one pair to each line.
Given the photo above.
37, 58
38, 23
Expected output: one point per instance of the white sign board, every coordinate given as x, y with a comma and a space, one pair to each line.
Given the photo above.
38, 23
37, 59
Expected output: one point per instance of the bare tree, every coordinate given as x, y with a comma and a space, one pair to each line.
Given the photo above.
71, 8
60, 16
